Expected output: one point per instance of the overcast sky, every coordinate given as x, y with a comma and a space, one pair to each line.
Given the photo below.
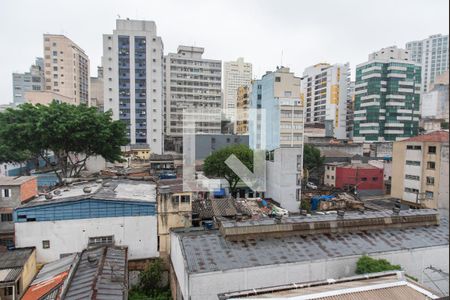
306, 32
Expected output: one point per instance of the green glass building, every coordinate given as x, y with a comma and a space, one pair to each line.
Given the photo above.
387, 97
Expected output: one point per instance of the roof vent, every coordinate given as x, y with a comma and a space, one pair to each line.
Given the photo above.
57, 192
48, 196
106, 184
92, 259
87, 189
396, 211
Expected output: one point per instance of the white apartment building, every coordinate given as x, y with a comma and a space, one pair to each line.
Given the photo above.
432, 54
132, 64
235, 74
324, 90
192, 85
66, 68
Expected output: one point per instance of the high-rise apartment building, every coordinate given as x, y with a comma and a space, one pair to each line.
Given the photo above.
96, 92
432, 53
276, 124
242, 106
28, 81
387, 97
350, 105
235, 74
192, 86
133, 80
276, 119
66, 68
324, 90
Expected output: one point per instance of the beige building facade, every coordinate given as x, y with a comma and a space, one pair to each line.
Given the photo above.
66, 68
242, 105
46, 97
417, 169
235, 74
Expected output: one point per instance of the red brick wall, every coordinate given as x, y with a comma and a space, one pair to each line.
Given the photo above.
348, 176
28, 190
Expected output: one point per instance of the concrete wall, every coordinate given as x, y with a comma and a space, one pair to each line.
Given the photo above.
443, 197
208, 285
68, 236
353, 149
205, 144
282, 184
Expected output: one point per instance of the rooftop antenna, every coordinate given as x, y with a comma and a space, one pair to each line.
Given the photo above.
281, 58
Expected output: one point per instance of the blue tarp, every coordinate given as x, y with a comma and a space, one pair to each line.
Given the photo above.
316, 200
219, 193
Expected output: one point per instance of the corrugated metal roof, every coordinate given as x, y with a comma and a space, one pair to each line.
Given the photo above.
101, 271
209, 251
15, 258
9, 275
439, 136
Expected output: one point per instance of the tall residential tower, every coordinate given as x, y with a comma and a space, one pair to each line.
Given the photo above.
324, 90
432, 54
66, 68
387, 97
133, 80
235, 74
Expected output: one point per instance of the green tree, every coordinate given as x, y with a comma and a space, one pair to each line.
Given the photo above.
150, 285
71, 134
367, 264
312, 159
214, 164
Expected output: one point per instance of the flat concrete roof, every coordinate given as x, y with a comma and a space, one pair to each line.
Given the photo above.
208, 251
15, 180
116, 189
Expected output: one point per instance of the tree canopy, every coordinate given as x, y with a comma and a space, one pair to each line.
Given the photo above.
312, 158
367, 264
214, 164
68, 133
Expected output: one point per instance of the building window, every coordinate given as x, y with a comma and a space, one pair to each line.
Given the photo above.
6, 218
430, 180
6, 193
413, 147
277, 79
374, 178
46, 244
185, 198
413, 163
328, 176
431, 165
412, 177
411, 190
429, 195
364, 179
432, 149
101, 240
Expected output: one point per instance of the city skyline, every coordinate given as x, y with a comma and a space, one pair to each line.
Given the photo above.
266, 34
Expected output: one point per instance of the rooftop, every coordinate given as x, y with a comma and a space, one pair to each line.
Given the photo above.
101, 271
51, 278
12, 263
209, 251
439, 136
383, 285
15, 180
116, 189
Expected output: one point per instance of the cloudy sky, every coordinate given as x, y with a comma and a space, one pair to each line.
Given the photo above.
306, 32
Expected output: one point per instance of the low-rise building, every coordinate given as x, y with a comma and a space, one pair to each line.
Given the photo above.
174, 211
14, 191
17, 270
47, 97
100, 271
72, 218
382, 285
268, 252
416, 169
358, 177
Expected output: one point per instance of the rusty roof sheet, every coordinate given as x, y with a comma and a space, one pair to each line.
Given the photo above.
439, 136
209, 251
